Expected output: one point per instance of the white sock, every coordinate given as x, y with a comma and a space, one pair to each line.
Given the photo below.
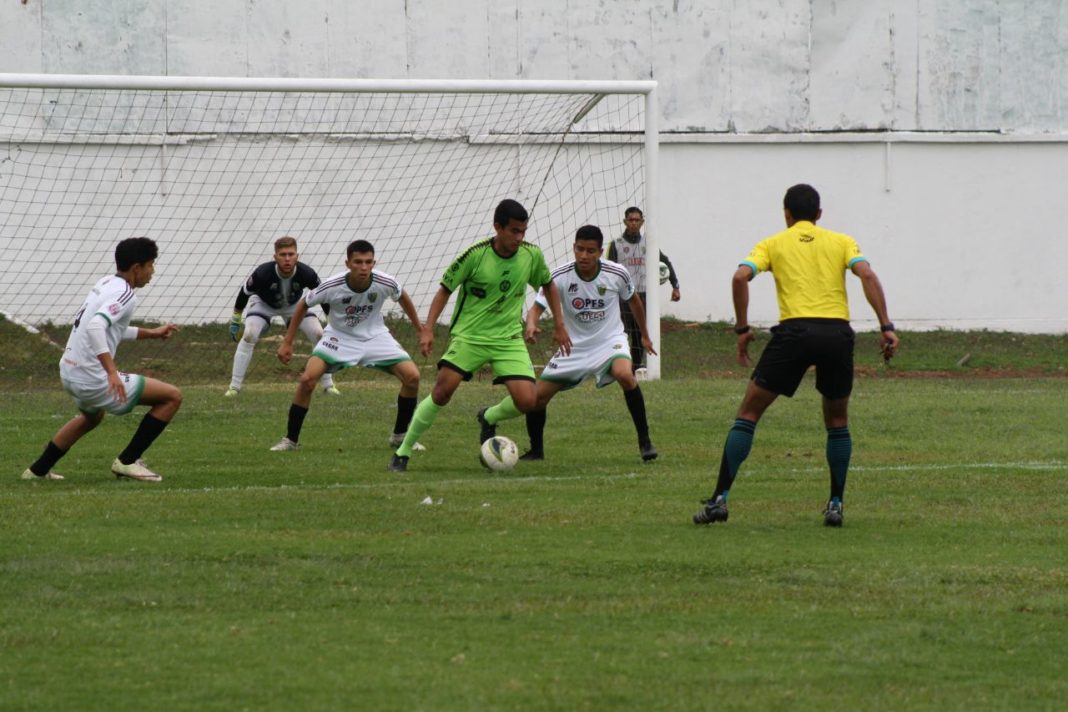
242, 358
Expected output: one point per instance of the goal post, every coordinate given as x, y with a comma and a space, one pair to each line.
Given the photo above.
214, 169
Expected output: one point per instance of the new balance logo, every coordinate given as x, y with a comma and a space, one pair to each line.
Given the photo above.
572, 289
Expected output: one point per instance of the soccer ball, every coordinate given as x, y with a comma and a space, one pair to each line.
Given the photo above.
665, 273
499, 454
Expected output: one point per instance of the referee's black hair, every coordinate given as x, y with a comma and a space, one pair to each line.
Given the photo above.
509, 209
134, 251
803, 202
359, 246
590, 232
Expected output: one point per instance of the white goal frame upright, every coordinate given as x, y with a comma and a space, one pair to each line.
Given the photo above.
598, 90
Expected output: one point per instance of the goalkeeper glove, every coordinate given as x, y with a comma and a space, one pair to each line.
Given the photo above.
235, 325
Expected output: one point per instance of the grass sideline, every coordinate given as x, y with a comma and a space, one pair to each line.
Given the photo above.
316, 579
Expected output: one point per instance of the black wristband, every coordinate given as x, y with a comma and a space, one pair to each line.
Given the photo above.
887, 327
742, 329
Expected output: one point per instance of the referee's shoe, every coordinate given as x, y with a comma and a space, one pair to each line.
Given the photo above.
715, 510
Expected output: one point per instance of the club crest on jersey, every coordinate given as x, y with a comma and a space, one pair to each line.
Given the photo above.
601, 289
114, 309
372, 297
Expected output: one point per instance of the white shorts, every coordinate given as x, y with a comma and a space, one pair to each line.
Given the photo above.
260, 308
582, 363
342, 351
93, 398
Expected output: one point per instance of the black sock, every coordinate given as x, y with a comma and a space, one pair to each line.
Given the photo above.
536, 430
47, 460
636, 406
147, 432
296, 421
405, 411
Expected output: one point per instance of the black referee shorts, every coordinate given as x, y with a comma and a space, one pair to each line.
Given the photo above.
797, 344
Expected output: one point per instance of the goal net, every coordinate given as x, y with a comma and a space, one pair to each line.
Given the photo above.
215, 170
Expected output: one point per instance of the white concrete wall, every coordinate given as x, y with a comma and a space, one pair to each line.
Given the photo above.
963, 234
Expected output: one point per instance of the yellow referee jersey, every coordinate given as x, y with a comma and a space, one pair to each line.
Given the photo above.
809, 264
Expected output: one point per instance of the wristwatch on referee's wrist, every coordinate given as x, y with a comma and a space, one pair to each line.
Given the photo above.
742, 329
888, 326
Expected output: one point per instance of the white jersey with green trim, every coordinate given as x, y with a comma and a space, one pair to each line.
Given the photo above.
111, 300
352, 313
591, 308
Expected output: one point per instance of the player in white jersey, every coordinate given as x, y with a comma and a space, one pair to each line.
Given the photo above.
356, 335
591, 290
88, 370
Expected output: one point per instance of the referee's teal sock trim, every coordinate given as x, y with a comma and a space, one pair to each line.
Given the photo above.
839, 452
425, 413
735, 451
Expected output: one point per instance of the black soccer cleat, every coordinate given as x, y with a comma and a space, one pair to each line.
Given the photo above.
532, 455
832, 516
713, 511
398, 463
487, 431
648, 450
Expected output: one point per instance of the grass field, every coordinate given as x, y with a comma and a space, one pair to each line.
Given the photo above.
316, 579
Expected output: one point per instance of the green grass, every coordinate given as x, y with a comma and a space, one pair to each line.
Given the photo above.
317, 579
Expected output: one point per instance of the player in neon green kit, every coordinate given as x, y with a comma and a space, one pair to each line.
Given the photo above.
490, 279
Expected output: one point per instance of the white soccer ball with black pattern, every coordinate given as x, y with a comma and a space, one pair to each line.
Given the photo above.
665, 273
499, 453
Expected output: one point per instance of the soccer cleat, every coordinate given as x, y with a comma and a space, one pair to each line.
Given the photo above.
30, 475
332, 391
396, 439
284, 445
487, 431
832, 516
399, 463
532, 455
713, 511
134, 471
231, 392
648, 450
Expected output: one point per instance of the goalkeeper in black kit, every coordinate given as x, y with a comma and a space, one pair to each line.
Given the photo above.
273, 289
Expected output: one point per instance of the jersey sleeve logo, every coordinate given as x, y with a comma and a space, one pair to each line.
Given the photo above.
114, 308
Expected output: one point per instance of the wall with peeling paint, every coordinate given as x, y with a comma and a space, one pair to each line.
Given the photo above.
942, 219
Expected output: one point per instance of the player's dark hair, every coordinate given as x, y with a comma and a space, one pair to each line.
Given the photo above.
633, 209
509, 209
285, 241
135, 251
590, 232
803, 202
359, 246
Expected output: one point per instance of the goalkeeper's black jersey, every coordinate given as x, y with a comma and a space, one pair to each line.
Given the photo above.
265, 283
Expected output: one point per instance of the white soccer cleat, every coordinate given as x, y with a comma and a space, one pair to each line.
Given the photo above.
283, 445
231, 392
396, 439
332, 391
29, 475
134, 471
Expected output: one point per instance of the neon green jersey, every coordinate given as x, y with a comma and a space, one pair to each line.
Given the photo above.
490, 290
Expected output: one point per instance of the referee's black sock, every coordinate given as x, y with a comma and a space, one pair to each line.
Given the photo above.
636, 406
735, 450
405, 411
47, 460
536, 430
296, 421
146, 433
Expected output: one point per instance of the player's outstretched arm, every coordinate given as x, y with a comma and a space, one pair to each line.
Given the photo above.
638, 310
285, 349
560, 335
437, 305
531, 328
163, 331
408, 306
873, 292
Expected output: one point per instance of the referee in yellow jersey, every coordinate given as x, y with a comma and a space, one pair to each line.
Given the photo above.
809, 264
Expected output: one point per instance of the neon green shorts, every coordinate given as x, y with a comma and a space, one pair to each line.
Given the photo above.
509, 359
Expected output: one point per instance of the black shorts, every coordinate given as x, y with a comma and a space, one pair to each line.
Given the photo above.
797, 344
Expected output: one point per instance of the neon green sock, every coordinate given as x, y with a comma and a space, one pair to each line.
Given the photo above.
424, 416
505, 410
